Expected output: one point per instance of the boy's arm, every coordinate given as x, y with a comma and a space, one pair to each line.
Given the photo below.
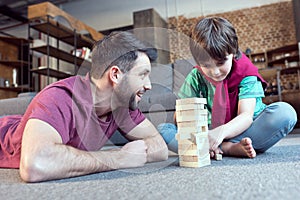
157, 149
45, 157
236, 126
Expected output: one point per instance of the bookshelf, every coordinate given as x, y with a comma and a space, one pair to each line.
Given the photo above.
62, 39
13, 66
284, 76
58, 34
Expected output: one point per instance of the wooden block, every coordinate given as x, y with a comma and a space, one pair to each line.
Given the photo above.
198, 138
202, 143
187, 146
218, 156
191, 124
189, 136
192, 115
189, 107
193, 100
200, 154
183, 136
192, 129
192, 112
188, 142
186, 152
201, 163
188, 158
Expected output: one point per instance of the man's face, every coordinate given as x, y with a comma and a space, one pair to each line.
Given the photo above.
218, 71
134, 83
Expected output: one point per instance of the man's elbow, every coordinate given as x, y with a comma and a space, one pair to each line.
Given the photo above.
31, 171
163, 154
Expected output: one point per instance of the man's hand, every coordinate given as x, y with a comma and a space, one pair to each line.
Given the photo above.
157, 149
133, 154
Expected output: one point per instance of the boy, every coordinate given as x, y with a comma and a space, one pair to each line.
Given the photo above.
241, 124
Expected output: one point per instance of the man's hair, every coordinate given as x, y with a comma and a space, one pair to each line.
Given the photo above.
118, 49
213, 37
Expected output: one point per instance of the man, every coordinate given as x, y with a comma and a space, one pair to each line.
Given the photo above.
67, 123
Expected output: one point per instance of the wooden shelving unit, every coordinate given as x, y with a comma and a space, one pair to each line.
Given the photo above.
283, 55
59, 54
41, 17
51, 72
16, 89
284, 64
60, 33
14, 63
12, 58
259, 59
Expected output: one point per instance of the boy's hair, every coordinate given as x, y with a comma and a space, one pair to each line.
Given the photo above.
213, 37
118, 49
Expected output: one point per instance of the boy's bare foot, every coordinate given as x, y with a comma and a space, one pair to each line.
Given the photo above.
242, 149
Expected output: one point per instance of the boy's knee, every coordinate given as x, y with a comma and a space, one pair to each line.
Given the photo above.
167, 131
290, 113
284, 112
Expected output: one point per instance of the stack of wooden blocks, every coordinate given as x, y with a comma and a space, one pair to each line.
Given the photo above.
192, 135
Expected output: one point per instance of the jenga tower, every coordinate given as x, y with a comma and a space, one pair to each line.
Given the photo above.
192, 136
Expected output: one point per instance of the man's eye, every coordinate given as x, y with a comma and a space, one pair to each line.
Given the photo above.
143, 75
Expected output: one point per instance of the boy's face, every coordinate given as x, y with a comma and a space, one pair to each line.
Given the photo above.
217, 70
134, 83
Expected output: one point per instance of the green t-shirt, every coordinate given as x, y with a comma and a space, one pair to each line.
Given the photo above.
195, 85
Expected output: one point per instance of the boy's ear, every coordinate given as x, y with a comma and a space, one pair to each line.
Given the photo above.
115, 74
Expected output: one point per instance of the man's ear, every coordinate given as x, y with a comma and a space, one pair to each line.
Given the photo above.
115, 74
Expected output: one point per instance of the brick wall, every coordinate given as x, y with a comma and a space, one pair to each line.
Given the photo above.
259, 28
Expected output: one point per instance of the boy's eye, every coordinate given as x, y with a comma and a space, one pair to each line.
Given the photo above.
220, 63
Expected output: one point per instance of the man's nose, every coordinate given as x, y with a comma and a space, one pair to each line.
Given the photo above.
147, 84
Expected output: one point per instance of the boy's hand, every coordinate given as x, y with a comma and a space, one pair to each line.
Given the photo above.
213, 153
215, 137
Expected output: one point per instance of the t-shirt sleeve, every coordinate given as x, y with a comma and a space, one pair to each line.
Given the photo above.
48, 108
128, 119
250, 87
190, 87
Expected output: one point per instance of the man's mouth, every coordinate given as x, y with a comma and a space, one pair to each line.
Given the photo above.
140, 94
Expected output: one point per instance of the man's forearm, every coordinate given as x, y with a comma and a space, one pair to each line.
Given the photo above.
63, 161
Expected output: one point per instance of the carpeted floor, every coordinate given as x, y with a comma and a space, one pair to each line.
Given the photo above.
272, 175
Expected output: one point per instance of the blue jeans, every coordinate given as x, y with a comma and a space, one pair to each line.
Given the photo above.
272, 124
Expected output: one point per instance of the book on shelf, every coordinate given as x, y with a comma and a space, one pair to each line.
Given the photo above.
83, 52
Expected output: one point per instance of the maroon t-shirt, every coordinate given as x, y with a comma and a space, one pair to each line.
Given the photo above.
66, 105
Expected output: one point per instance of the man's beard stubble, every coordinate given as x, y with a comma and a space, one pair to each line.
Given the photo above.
123, 96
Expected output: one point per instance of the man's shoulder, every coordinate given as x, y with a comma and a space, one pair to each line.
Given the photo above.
73, 85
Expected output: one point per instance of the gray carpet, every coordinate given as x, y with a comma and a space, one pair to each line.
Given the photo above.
272, 175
